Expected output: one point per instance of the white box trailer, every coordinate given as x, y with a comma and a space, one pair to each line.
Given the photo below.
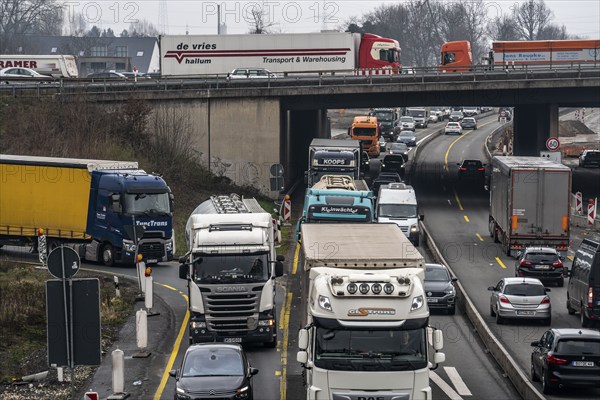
58, 66
530, 203
189, 55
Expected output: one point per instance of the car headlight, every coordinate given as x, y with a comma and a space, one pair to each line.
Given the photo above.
181, 394
266, 322
244, 389
128, 246
449, 291
169, 245
417, 303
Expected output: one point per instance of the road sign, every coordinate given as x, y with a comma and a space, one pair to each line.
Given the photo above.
63, 262
552, 144
83, 322
91, 396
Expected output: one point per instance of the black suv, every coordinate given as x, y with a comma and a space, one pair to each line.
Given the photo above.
589, 158
583, 291
439, 288
543, 263
566, 357
471, 170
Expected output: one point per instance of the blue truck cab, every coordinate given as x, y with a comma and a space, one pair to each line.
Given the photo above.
337, 198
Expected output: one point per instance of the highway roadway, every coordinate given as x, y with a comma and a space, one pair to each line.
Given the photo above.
457, 217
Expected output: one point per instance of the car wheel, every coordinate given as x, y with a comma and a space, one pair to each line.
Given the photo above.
546, 388
492, 313
534, 376
499, 319
452, 311
547, 321
585, 321
570, 309
107, 255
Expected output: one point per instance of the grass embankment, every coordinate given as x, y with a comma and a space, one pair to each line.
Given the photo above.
23, 316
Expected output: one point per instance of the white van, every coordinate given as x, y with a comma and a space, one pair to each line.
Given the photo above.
397, 203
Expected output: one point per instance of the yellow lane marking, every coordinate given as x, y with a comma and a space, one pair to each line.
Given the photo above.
277, 373
466, 218
499, 261
283, 383
479, 237
460, 207
570, 258
295, 264
457, 139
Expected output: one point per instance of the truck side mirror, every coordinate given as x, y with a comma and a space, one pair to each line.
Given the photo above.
421, 217
439, 358
183, 271
302, 357
303, 339
305, 177
438, 339
278, 268
115, 203
280, 257
171, 202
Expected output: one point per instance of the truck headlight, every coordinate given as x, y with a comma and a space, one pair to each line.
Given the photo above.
417, 303
169, 245
128, 246
324, 303
413, 228
266, 322
198, 324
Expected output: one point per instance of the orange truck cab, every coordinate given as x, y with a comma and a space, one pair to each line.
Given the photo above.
456, 57
366, 129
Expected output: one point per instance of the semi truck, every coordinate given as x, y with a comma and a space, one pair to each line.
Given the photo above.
389, 119
365, 317
58, 66
343, 52
365, 129
93, 205
457, 56
529, 203
337, 198
333, 157
230, 268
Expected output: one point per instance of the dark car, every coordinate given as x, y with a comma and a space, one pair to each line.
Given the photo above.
133, 75
583, 290
399, 148
408, 138
214, 369
107, 75
456, 116
393, 163
439, 288
469, 123
543, 263
383, 179
566, 357
471, 170
589, 158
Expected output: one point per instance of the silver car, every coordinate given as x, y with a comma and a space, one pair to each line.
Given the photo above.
520, 298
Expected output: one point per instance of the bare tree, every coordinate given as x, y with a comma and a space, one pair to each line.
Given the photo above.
20, 17
76, 25
531, 18
554, 32
143, 28
503, 28
259, 21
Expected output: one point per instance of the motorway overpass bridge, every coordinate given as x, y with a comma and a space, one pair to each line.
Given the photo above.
243, 127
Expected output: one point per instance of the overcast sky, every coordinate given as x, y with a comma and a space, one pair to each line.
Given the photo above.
581, 17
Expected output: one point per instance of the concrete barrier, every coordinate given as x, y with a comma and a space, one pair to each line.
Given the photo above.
512, 370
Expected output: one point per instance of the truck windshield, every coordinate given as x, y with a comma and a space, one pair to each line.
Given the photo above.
363, 131
370, 350
239, 268
384, 115
416, 113
147, 204
398, 210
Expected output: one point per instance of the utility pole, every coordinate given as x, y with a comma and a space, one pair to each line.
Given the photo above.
218, 19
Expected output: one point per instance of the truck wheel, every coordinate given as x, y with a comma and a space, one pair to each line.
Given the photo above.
273, 344
585, 322
107, 255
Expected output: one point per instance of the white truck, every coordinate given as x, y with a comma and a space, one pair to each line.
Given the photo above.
192, 55
420, 115
397, 203
230, 267
366, 328
58, 66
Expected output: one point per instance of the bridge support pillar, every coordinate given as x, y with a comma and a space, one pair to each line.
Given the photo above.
299, 128
532, 125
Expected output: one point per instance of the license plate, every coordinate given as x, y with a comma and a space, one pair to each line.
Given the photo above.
233, 340
520, 312
583, 363
430, 300
543, 267
151, 260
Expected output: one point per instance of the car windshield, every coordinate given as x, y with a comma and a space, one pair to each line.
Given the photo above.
406, 134
453, 124
473, 164
370, 350
469, 120
399, 147
435, 274
578, 347
524, 289
407, 119
147, 204
242, 268
541, 257
213, 362
592, 154
398, 210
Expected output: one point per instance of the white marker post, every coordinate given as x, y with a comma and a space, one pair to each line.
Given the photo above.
118, 375
141, 330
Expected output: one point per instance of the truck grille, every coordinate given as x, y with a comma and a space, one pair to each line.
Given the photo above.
152, 250
230, 312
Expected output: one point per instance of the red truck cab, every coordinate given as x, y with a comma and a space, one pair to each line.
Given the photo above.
378, 55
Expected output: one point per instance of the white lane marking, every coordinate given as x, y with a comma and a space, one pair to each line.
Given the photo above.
444, 386
457, 381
